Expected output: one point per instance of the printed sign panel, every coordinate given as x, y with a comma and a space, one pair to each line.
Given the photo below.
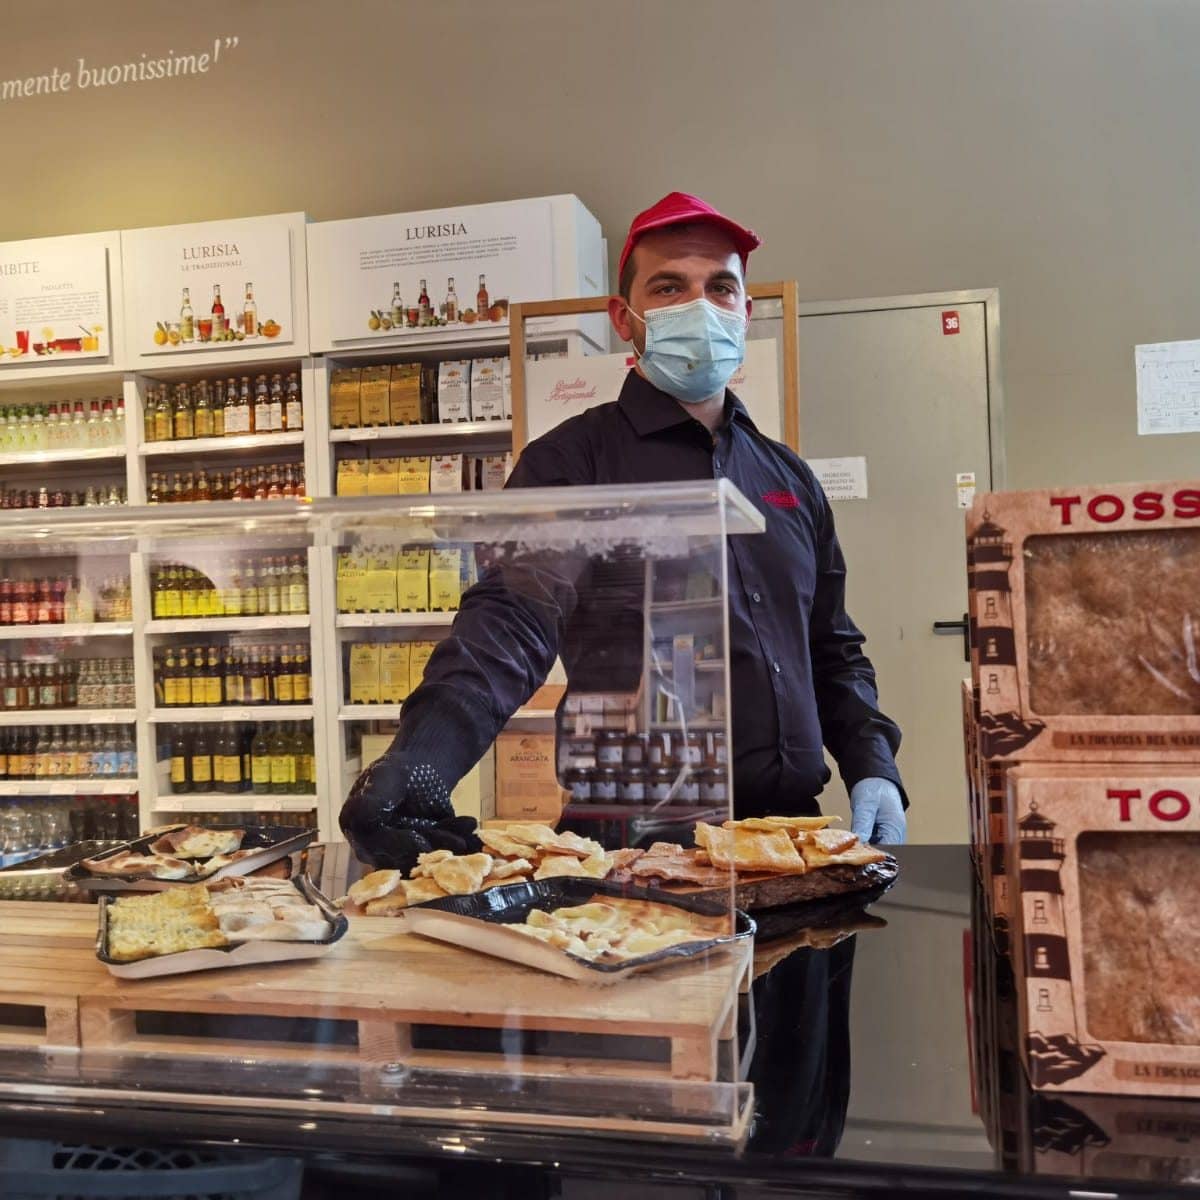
214, 286
457, 268
558, 388
53, 300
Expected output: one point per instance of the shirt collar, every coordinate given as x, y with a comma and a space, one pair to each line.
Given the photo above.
650, 411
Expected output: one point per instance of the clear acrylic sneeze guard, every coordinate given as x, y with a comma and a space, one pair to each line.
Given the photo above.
240, 667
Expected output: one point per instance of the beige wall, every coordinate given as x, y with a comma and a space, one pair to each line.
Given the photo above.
1045, 147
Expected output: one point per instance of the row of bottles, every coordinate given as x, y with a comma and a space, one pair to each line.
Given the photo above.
268, 759
202, 676
216, 325
273, 481
63, 426
59, 599
94, 496
66, 683
270, 586
231, 409
197, 815
33, 826
68, 752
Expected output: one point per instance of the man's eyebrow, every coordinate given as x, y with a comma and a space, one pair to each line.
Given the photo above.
722, 276
666, 277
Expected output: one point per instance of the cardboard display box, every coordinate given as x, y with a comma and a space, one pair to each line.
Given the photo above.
1105, 941
527, 786
1085, 624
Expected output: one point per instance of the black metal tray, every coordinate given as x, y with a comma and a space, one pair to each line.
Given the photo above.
238, 954
462, 920
272, 842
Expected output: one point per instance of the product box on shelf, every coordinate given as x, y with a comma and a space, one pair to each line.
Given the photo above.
383, 476
475, 795
353, 476
419, 656
395, 667
446, 473
381, 580
404, 394
487, 389
345, 397
1102, 863
445, 579
450, 274
413, 475
454, 392
527, 786
374, 397
412, 579
351, 581
1085, 623
364, 673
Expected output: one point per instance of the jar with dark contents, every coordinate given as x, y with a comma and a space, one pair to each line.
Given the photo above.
689, 790
658, 784
688, 748
603, 785
631, 788
657, 754
577, 780
718, 750
610, 748
714, 786
635, 750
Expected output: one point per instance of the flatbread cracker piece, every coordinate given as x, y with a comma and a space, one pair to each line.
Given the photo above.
511, 870
427, 861
374, 886
390, 905
855, 856
571, 843
500, 843
789, 823
750, 850
834, 841
462, 875
554, 865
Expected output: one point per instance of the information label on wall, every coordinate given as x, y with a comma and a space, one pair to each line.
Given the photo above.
53, 300
212, 286
1168, 387
454, 267
841, 478
558, 388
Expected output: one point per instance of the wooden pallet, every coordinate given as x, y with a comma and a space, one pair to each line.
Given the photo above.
380, 996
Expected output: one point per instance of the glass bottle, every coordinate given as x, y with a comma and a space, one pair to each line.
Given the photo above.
284, 680
276, 406
262, 405
218, 313
451, 301
482, 303
201, 760
187, 319
257, 680
397, 306
179, 760
245, 406
293, 404
283, 764
249, 313
424, 306
202, 419
260, 761
183, 416
232, 409
214, 691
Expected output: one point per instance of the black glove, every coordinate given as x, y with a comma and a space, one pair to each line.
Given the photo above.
399, 808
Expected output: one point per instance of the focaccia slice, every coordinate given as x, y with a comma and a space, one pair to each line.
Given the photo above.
462, 875
857, 855
374, 885
750, 849
498, 841
427, 861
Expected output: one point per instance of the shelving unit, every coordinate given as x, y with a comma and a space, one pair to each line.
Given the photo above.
234, 802
96, 629
267, 624
204, 447
50, 458
400, 620
68, 716
218, 714
468, 435
69, 787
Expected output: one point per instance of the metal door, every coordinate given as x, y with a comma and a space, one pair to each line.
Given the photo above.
912, 385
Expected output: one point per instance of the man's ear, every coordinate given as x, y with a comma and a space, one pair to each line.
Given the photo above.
749, 307
618, 314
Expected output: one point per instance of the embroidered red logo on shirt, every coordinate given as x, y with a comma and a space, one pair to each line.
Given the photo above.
782, 499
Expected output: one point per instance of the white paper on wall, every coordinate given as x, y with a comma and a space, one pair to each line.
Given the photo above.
1168, 387
556, 389
841, 478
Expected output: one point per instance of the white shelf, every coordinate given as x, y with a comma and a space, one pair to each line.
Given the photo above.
198, 446
703, 664
69, 716
95, 629
393, 620
391, 712
667, 606
228, 624
24, 458
476, 431
231, 712
233, 802
69, 787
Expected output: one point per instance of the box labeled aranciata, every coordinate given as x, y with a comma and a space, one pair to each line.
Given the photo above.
1102, 869
1086, 624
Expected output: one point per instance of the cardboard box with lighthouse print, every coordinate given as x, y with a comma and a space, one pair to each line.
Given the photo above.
1105, 941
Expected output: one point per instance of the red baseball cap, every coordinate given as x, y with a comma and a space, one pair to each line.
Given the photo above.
679, 208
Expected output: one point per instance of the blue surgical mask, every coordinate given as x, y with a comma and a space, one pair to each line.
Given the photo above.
692, 350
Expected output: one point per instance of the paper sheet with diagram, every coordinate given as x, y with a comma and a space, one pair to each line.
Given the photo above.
1168, 387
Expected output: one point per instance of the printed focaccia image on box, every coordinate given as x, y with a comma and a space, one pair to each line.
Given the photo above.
1102, 877
1085, 620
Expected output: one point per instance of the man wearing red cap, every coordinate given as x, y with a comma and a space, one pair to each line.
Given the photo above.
799, 678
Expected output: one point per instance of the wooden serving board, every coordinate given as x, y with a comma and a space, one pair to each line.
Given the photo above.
379, 996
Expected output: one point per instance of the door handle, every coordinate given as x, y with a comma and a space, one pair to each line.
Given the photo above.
946, 628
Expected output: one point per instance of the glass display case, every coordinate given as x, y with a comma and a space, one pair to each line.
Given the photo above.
201, 689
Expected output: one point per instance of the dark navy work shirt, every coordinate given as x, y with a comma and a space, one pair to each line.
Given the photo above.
799, 677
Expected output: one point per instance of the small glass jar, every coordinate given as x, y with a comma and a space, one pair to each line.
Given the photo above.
579, 751
656, 750
658, 784
603, 785
635, 750
632, 786
718, 750
689, 790
578, 782
688, 748
610, 748
714, 786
